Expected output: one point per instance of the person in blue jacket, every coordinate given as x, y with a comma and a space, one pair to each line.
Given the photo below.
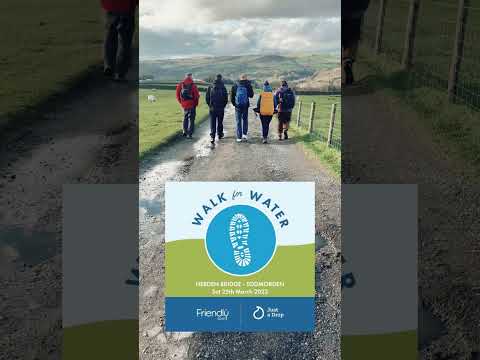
242, 91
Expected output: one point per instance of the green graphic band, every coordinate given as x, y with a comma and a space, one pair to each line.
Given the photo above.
189, 272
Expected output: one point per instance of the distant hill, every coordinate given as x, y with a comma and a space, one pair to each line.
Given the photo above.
259, 67
330, 79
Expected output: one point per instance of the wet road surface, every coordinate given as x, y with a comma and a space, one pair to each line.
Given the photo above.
196, 160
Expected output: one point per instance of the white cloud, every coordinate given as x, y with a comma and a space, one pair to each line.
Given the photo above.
246, 26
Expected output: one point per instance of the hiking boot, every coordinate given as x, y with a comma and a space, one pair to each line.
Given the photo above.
190, 136
212, 141
285, 134
108, 72
184, 134
220, 137
239, 140
120, 78
348, 68
245, 137
280, 137
264, 141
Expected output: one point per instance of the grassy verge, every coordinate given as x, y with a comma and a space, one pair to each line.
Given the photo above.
455, 127
318, 148
46, 45
161, 121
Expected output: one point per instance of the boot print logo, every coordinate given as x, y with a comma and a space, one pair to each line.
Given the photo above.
241, 240
239, 229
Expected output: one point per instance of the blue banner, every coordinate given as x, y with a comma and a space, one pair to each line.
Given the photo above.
239, 314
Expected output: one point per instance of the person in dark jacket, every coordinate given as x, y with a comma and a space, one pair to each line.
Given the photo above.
285, 98
352, 17
217, 99
119, 30
188, 97
242, 91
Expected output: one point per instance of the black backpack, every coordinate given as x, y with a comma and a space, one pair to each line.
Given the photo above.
288, 100
186, 92
218, 94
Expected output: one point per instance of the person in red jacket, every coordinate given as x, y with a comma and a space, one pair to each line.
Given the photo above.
188, 97
119, 30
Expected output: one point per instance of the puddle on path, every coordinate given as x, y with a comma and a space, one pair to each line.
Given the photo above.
430, 327
171, 163
21, 246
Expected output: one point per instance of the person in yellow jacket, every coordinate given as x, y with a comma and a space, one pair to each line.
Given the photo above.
266, 105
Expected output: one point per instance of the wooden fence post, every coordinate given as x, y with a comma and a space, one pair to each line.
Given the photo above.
312, 116
332, 124
409, 46
380, 23
458, 49
299, 113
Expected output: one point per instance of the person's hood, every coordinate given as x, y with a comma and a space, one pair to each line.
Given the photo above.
267, 88
188, 81
218, 82
244, 82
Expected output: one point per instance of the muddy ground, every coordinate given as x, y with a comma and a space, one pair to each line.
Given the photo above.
87, 136
385, 142
190, 160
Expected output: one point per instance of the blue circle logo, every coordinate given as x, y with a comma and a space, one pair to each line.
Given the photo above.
240, 240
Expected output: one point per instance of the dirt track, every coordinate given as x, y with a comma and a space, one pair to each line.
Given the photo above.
386, 143
190, 160
86, 136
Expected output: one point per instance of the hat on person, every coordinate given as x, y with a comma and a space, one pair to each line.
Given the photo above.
266, 83
219, 77
189, 75
284, 83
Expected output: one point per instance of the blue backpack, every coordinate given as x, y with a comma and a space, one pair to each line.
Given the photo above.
241, 97
287, 100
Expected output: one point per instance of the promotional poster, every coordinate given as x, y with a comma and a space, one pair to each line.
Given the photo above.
239, 256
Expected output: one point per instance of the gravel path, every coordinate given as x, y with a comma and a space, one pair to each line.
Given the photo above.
86, 136
190, 160
388, 144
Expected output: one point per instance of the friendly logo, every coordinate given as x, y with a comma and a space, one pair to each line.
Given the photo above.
221, 314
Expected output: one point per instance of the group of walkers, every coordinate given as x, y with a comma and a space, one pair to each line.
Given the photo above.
268, 104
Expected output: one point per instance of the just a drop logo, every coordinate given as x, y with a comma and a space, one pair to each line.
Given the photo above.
238, 231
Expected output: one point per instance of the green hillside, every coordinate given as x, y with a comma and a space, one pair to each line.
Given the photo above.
272, 67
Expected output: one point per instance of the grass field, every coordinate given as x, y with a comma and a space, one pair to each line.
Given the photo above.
454, 125
45, 45
316, 143
434, 44
162, 120
321, 123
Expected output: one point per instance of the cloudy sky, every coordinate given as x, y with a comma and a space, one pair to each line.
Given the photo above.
185, 28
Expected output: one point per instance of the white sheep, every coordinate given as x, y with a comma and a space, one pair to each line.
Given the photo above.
151, 98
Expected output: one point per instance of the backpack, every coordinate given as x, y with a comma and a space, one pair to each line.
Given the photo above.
218, 94
186, 92
241, 97
266, 104
287, 100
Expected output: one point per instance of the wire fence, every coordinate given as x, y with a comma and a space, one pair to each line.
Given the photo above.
436, 41
321, 118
